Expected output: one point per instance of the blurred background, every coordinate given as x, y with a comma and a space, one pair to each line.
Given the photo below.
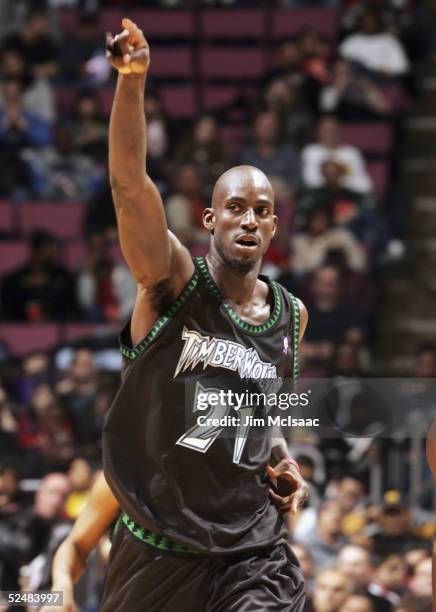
335, 101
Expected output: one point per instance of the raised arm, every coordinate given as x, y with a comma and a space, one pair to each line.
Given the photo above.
145, 241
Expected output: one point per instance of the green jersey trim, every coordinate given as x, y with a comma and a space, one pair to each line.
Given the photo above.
295, 338
162, 322
252, 329
153, 539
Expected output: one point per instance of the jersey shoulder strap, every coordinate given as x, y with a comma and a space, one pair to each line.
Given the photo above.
295, 337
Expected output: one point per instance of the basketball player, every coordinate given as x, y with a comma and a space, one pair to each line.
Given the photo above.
199, 532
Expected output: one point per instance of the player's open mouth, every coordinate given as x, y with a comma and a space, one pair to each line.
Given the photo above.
247, 242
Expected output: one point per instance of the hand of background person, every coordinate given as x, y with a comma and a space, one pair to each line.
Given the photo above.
128, 51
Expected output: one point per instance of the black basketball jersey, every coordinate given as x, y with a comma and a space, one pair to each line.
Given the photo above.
206, 492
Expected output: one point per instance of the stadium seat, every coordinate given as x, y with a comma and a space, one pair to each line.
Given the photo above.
156, 24
287, 24
232, 63
218, 96
369, 137
24, 338
378, 170
74, 331
231, 137
171, 62
12, 256
63, 219
6, 217
178, 100
74, 254
231, 25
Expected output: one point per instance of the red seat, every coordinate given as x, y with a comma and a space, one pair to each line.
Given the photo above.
378, 171
231, 137
64, 99
289, 23
63, 219
154, 23
232, 24
24, 338
171, 62
218, 96
369, 137
6, 217
232, 63
178, 100
73, 331
12, 256
74, 254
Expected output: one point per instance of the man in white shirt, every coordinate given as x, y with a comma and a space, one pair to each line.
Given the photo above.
330, 148
374, 49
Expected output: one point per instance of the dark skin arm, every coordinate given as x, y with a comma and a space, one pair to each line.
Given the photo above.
154, 256
93, 522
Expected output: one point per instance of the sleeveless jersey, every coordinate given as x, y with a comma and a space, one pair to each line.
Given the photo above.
203, 490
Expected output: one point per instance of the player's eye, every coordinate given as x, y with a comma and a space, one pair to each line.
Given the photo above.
234, 206
263, 211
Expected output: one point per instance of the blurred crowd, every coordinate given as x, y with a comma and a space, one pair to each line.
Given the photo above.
336, 233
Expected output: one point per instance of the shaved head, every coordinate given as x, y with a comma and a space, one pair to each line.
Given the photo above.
240, 178
241, 219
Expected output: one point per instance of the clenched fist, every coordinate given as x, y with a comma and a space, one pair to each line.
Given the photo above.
128, 51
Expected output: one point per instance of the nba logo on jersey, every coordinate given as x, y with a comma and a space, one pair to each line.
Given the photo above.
285, 345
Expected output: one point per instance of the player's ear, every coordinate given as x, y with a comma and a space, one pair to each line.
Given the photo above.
209, 219
274, 229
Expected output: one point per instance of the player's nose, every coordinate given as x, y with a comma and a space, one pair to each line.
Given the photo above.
249, 220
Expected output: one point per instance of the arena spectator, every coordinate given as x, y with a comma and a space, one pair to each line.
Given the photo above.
354, 561
330, 591
61, 172
8, 427
425, 362
268, 154
19, 129
389, 578
348, 492
78, 393
35, 42
81, 478
312, 247
35, 369
83, 45
376, 50
159, 140
285, 99
89, 127
395, 533
325, 539
357, 603
45, 432
420, 584
10, 495
38, 93
329, 147
349, 208
95, 291
351, 96
100, 212
41, 289
24, 535
185, 206
331, 319
306, 563
106, 290
205, 150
